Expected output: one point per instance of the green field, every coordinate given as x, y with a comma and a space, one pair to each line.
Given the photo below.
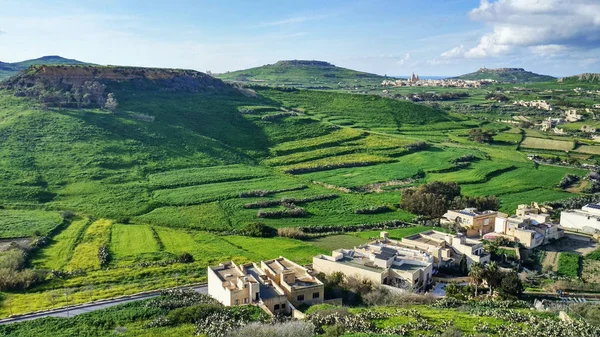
127, 240
180, 182
547, 144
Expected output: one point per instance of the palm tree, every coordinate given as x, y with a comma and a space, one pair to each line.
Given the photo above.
476, 273
491, 275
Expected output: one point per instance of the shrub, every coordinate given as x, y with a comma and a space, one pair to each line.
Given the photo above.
291, 232
568, 180
185, 257
282, 329
103, 255
258, 230
193, 313
374, 210
283, 213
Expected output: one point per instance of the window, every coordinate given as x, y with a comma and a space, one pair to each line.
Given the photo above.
237, 302
276, 307
283, 306
246, 300
316, 295
300, 298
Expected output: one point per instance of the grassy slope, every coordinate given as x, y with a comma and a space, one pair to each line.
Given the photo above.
187, 168
507, 76
313, 75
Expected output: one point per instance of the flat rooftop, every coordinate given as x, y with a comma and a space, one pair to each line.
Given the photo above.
362, 263
303, 279
266, 291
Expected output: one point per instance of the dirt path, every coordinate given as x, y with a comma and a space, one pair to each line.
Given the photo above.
550, 261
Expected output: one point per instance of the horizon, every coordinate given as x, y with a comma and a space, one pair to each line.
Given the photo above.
549, 37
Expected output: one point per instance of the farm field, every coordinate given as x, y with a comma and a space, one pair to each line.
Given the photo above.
206, 166
547, 144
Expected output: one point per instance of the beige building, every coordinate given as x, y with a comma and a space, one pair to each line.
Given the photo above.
299, 286
529, 227
233, 284
445, 249
475, 223
381, 263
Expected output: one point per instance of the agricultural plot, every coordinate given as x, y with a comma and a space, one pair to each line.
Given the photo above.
299, 157
510, 201
405, 167
61, 247
131, 240
85, 255
335, 138
206, 175
350, 160
588, 149
294, 250
22, 223
523, 178
193, 195
333, 242
547, 144
476, 172
209, 216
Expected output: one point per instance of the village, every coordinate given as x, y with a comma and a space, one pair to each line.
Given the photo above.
422, 263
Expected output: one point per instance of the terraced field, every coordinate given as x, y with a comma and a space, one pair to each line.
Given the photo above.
547, 144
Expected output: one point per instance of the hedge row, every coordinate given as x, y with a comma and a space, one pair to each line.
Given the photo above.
264, 193
331, 166
272, 203
283, 213
373, 210
278, 116
355, 228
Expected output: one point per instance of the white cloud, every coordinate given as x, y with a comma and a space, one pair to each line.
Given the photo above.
544, 26
454, 52
293, 20
404, 59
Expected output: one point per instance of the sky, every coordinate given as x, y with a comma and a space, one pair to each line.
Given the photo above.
395, 37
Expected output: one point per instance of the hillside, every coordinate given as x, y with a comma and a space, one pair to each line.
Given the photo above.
10, 69
185, 162
590, 78
507, 75
303, 74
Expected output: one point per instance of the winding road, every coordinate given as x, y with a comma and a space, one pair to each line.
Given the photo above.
92, 306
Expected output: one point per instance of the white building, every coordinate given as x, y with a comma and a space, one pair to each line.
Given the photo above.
529, 227
586, 219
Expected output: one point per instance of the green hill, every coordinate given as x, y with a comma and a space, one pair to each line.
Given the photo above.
582, 78
507, 75
10, 69
303, 74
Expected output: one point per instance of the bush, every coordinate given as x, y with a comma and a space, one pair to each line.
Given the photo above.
283, 329
291, 232
258, 230
283, 213
374, 210
568, 180
193, 314
185, 257
103, 255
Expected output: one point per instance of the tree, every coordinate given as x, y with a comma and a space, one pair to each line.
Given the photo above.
111, 103
258, 230
476, 274
481, 136
492, 275
510, 286
463, 265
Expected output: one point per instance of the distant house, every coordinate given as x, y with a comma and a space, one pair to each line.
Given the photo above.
529, 227
381, 264
571, 115
446, 249
475, 223
276, 286
298, 284
588, 129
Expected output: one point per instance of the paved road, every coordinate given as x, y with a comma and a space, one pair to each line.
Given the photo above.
93, 306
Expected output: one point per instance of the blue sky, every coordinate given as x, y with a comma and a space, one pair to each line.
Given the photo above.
441, 37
